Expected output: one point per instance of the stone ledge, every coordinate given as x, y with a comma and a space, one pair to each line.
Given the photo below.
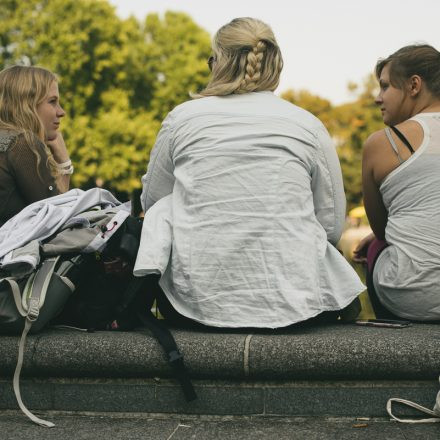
326, 352
265, 399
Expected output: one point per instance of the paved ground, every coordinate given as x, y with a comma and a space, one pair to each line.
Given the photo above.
14, 426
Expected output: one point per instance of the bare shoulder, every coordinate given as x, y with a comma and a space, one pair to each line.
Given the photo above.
374, 142
378, 159
409, 126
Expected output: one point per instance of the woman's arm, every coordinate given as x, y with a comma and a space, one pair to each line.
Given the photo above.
328, 188
374, 207
61, 156
159, 180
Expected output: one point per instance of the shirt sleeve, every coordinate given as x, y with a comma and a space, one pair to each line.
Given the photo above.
328, 188
33, 177
159, 180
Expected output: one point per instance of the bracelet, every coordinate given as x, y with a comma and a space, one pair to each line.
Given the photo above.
68, 163
66, 170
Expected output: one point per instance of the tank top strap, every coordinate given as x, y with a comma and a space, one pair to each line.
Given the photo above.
400, 135
393, 144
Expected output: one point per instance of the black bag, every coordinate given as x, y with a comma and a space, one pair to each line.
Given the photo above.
95, 291
102, 292
110, 297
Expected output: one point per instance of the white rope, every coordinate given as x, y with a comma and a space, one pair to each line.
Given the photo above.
16, 380
435, 412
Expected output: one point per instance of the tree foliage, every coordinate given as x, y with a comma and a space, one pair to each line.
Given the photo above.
349, 125
118, 78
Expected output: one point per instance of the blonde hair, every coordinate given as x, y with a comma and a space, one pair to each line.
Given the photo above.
246, 59
22, 89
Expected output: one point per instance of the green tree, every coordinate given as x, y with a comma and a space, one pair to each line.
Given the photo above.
81, 40
320, 107
178, 52
118, 78
113, 147
355, 122
349, 125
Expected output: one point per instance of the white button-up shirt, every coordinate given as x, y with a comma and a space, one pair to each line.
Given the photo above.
257, 206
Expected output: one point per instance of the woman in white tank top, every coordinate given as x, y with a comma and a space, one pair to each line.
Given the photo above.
401, 184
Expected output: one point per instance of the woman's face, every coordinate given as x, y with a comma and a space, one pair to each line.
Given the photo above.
50, 112
393, 102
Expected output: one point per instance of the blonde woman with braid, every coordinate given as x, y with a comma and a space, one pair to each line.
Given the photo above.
256, 195
34, 163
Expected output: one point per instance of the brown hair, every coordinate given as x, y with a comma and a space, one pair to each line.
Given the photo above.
246, 59
418, 59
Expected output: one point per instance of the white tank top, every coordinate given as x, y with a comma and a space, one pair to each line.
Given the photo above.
407, 273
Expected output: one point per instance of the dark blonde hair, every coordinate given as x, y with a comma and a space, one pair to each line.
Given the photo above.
247, 59
22, 89
417, 59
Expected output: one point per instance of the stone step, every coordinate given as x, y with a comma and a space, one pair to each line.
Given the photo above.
328, 370
297, 398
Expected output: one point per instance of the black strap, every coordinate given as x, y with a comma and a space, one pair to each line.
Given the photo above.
402, 138
175, 358
134, 309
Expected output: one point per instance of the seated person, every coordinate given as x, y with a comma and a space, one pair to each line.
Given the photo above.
256, 201
34, 163
401, 183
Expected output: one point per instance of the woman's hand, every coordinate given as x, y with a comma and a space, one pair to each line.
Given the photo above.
59, 152
58, 148
360, 252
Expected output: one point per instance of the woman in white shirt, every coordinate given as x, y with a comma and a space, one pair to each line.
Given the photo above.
401, 182
256, 201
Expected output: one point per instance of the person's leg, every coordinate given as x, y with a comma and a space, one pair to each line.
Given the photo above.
374, 250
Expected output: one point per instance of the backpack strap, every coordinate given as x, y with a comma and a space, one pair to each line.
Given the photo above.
175, 358
35, 290
16, 380
134, 305
34, 295
15, 289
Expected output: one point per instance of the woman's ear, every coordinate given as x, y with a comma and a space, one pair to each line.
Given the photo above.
415, 85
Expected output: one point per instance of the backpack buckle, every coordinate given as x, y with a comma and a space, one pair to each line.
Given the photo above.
174, 356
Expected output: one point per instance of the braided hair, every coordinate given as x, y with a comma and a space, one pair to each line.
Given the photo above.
246, 59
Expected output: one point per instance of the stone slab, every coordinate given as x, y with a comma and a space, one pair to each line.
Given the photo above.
298, 398
333, 352
70, 353
347, 352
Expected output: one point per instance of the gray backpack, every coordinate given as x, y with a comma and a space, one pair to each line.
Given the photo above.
30, 299
28, 304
